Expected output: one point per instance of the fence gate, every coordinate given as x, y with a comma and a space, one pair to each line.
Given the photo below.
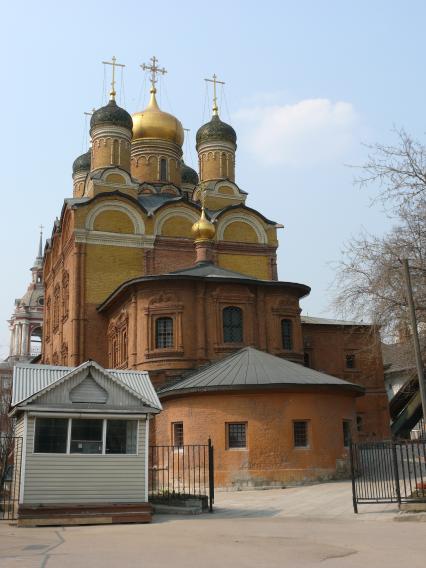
10, 473
388, 472
181, 472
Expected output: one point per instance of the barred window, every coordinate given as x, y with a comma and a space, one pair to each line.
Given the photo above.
177, 432
350, 361
163, 333
237, 435
300, 434
346, 433
287, 334
232, 325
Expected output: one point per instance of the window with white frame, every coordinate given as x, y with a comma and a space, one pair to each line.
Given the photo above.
85, 436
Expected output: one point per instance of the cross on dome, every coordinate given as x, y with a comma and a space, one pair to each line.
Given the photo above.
114, 64
215, 82
155, 70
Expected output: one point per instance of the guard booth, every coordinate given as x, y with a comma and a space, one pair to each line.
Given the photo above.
85, 439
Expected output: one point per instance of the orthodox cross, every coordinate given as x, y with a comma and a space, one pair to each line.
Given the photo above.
90, 113
215, 82
154, 69
114, 64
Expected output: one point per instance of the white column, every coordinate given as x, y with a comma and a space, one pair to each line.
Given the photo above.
17, 329
12, 341
25, 349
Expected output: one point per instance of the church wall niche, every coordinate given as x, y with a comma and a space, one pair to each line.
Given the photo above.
240, 232
113, 222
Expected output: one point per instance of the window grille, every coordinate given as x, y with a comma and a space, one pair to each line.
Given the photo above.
346, 433
237, 435
232, 325
163, 333
287, 334
177, 430
300, 432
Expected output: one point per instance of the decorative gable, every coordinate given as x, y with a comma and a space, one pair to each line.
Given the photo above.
89, 391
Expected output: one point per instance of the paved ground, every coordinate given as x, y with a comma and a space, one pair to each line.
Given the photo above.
300, 527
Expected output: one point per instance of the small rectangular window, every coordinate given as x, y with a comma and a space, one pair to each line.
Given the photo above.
86, 436
350, 361
237, 435
51, 435
300, 433
121, 437
346, 433
177, 431
306, 359
359, 423
287, 334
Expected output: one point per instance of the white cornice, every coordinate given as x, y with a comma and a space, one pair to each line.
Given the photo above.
114, 239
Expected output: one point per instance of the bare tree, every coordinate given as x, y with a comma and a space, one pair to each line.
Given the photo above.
370, 282
400, 171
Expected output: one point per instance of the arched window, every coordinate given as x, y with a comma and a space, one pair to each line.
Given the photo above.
287, 334
35, 341
163, 169
223, 165
232, 325
163, 333
115, 153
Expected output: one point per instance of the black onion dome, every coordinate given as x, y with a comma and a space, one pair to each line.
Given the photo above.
82, 163
111, 114
188, 174
216, 130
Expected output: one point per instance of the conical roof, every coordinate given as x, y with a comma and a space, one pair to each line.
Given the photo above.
250, 368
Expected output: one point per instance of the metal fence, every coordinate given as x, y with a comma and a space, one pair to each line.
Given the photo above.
10, 473
181, 472
388, 472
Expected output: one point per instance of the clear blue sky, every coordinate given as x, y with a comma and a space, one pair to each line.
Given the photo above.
307, 83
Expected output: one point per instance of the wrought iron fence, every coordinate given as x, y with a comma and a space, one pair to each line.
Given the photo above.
181, 472
10, 472
388, 472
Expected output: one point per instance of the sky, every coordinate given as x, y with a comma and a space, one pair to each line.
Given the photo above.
308, 85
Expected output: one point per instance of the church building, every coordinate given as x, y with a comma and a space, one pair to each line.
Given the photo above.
155, 267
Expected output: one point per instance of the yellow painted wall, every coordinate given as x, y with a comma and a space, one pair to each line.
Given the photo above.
240, 232
253, 265
109, 266
177, 227
113, 222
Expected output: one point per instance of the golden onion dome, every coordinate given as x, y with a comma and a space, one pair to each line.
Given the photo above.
203, 230
154, 123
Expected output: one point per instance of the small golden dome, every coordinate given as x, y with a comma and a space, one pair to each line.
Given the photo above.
203, 230
154, 123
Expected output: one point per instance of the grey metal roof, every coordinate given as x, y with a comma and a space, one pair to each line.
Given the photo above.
249, 368
327, 321
152, 202
210, 270
29, 380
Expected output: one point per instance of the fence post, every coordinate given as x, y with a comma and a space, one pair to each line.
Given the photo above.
396, 473
351, 454
211, 476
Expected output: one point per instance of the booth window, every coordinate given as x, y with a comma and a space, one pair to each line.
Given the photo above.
163, 333
85, 436
237, 435
232, 325
51, 435
287, 334
300, 434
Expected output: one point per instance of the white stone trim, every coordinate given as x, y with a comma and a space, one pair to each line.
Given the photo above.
138, 224
251, 221
167, 214
113, 239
